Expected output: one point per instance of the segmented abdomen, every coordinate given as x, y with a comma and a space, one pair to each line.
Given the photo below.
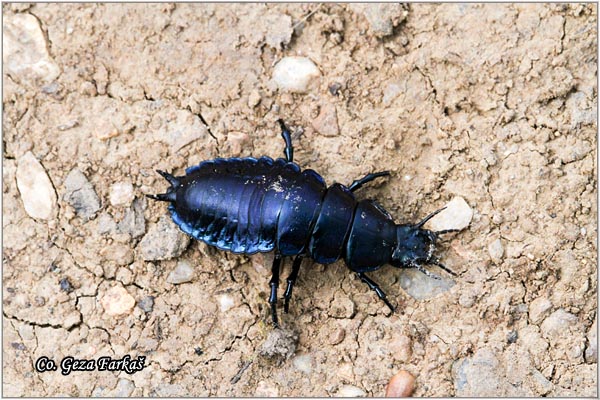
249, 205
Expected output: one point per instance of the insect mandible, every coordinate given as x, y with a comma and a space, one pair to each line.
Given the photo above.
249, 205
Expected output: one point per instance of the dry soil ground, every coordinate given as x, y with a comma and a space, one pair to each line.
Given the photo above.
494, 103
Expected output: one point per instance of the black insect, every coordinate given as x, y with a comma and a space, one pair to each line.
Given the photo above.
249, 205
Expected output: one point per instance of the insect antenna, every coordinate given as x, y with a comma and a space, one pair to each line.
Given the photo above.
163, 196
172, 180
427, 218
442, 266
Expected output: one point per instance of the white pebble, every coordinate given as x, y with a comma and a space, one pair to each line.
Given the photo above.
456, 215
225, 302
121, 194
117, 301
25, 53
181, 274
496, 250
37, 192
350, 391
557, 323
303, 363
539, 309
294, 74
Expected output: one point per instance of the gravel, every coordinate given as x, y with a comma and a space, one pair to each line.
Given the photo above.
117, 301
163, 241
294, 74
456, 215
25, 53
182, 273
80, 194
37, 192
421, 287
539, 309
401, 385
121, 194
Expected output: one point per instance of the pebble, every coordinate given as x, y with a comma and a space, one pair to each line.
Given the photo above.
350, 391
146, 304
294, 74
591, 352
25, 51
117, 301
80, 194
280, 343
456, 215
477, 376
170, 390
134, 223
163, 241
421, 287
263, 389
382, 17
303, 363
342, 307
558, 322
337, 337
182, 273
401, 348
37, 192
496, 250
226, 302
401, 385
539, 309
326, 123
121, 193
179, 129
254, 98
124, 388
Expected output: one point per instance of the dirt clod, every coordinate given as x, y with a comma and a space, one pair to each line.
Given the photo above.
280, 344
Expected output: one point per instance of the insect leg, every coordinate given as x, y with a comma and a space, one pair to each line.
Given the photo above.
357, 184
285, 133
423, 270
373, 286
274, 285
291, 280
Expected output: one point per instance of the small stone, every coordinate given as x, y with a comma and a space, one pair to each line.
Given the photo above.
147, 344
303, 363
120, 254
254, 98
80, 194
591, 351
496, 250
179, 129
350, 391
390, 92
25, 51
558, 322
163, 241
542, 385
280, 343
65, 285
421, 287
121, 194
170, 390
401, 385
117, 301
133, 223
146, 304
263, 389
539, 309
326, 123
456, 215
226, 302
182, 273
337, 337
512, 336
294, 74
37, 192
124, 388
382, 17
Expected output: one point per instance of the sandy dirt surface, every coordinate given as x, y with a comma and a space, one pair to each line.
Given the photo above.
493, 103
